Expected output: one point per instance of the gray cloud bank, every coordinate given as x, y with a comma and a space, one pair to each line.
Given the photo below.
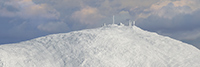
27, 19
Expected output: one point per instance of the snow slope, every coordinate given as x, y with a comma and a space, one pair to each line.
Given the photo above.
108, 46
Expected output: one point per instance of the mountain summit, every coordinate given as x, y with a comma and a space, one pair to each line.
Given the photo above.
107, 46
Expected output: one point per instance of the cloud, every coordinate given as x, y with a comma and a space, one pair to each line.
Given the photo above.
4, 12
182, 26
176, 19
168, 9
20, 11
87, 15
54, 27
26, 9
21, 20
37, 12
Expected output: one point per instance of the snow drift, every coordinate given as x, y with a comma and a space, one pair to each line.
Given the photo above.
108, 46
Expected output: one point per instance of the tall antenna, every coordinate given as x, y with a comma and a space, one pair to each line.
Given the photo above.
113, 19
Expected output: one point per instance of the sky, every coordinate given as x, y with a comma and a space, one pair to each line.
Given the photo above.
22, 20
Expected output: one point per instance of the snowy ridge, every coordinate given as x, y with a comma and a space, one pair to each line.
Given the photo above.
108, 46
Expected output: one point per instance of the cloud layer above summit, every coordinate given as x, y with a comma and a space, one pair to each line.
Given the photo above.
26, 19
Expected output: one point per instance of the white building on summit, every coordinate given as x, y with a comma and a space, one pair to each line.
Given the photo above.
131, 23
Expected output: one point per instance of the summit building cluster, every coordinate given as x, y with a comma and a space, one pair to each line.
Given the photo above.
130, 23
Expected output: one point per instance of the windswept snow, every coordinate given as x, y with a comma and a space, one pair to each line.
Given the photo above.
108, 46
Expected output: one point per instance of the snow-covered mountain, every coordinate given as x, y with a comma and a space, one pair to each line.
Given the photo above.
108, 46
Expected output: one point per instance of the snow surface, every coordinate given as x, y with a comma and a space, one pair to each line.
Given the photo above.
108, 46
